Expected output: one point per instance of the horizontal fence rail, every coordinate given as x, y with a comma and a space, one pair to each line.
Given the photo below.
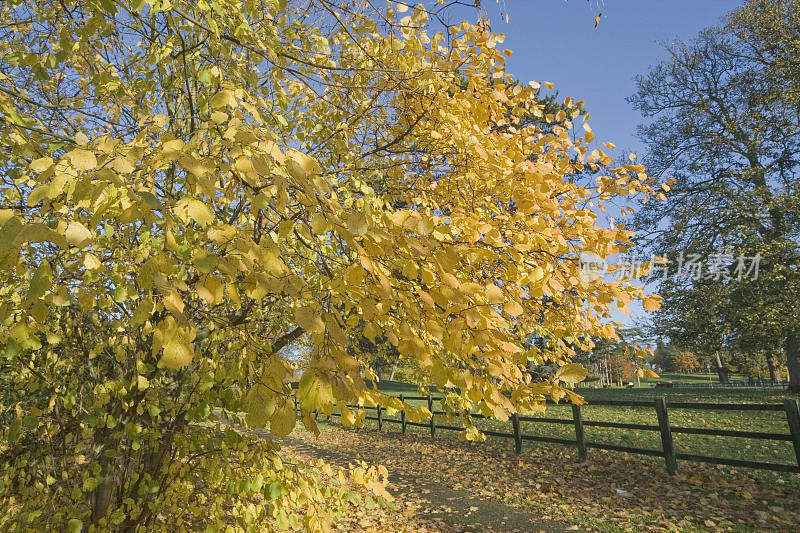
666, 430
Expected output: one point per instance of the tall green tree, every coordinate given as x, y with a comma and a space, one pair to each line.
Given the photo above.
769, 31
721, 124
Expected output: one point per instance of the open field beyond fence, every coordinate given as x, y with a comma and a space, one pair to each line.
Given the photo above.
742, 428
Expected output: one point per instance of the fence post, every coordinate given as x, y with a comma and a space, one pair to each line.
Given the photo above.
666, 435
517, 435
580, 437
430, 408
380, 419
402, 415
793, 415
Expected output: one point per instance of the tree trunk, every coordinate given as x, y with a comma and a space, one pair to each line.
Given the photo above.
394, 369
101, 496
377, 367
723, 371
773, 369
793, 360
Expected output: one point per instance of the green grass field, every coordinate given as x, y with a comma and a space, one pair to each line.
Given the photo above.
701, 377
694, 379
730, 447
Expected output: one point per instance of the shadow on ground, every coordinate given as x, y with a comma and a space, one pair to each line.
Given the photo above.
456, 509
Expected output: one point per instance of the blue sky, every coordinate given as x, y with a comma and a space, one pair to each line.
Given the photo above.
556, 41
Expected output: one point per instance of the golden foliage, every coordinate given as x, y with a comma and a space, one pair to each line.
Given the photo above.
189, 187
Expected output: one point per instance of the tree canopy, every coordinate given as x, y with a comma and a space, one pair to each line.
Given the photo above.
190, 186
723, 124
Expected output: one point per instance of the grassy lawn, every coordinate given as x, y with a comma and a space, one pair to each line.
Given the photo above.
698, 378
773, 451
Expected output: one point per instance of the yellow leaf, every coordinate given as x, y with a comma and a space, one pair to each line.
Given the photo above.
221, 234
82, 159
91, 262
218, 117
283, 419
318, 224
259, 406
174, 302
354, 275
349, 417
143, 312
513, 308
473, 434
193, 209
370, 331
652, 303
300, 165
274, 264
211, 290
308, 318
123, 165
425, 226
494, 294
245, 166
41, 164
571, 373
77, 234
314, 392
222, 99
177, 354
357, 223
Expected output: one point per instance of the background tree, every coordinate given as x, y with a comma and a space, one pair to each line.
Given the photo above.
663, 356
685, 361
619, 359
769, 31
723, 128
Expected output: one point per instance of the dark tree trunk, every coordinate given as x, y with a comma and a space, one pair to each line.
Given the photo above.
377, 367
722, 370
773, 368
793, 360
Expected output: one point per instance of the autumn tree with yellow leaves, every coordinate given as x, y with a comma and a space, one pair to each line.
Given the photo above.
190, 186
685, 361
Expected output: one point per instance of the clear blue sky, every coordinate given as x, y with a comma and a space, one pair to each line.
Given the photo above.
556, 41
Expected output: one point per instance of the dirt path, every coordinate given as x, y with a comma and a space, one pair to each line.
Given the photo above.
456, 510
450, 486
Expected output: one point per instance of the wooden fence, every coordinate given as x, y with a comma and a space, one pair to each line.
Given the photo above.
671, 457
